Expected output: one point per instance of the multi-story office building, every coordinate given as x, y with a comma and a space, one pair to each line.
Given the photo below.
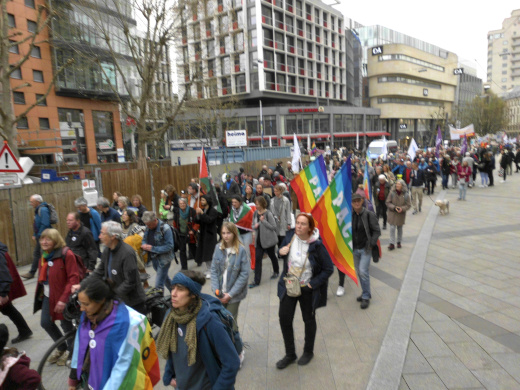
512, 99
83, 95
296, 57
503, 60
412, 88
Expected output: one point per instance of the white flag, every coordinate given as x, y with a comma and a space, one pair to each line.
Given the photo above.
357, 141
412, 149
384, 150
296, 155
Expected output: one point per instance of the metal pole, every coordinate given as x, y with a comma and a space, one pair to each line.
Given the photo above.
261, 125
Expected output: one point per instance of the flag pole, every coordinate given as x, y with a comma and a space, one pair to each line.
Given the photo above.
201, 160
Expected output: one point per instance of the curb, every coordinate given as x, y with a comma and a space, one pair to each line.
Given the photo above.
388, 368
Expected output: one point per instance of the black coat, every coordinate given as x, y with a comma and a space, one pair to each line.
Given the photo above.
82, 243
322, 269
208, 235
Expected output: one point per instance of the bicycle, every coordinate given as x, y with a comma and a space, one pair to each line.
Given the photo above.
55, 377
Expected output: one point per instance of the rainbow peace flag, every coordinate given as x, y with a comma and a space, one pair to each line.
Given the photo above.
122, 351
310, 184
313, 147
333, 213
366, 184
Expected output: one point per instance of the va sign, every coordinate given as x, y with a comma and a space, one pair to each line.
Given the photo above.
458, 71
377, 50
236, 138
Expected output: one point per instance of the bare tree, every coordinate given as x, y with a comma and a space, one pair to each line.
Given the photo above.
487, 113
13, 40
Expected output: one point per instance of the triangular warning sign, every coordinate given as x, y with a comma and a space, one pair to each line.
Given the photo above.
8, 162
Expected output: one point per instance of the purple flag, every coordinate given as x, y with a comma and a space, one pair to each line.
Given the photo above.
464, 147
438, 142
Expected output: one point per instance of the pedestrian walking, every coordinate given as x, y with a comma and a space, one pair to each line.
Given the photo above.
184, 220
207, 220
398, 202
464, 174
281, 209
417, 180
307, 259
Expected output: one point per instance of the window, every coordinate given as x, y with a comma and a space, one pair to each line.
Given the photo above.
38, 76
11, 22
44, 123
36, 52
43, 102
32, 26
16, 74
18, 98
13, 47
30, 3
23, 123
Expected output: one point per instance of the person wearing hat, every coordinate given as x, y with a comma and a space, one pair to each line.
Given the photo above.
279, 168
199, 352
15, 373
381, 191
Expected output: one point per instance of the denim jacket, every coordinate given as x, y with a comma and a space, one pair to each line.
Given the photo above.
163, 248
237, 272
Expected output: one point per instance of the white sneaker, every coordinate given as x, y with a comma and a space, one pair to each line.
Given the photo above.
502, 181
341, 291
208, 275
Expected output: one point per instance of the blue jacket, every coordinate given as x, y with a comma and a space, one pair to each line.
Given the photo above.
437, 165
399, 170
212, 336
42, 219
95, 224
237, 272
111, 215
163, 248
322, 269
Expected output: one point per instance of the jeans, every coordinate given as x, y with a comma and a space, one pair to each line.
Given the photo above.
37, 254
445, 181
454, 178
162, 279
286, 316
259, 254
399, 234
52, 329
484, 178
362, 265
14, 315
463, 186
246, 240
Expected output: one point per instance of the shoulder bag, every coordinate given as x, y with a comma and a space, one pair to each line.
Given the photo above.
292, 282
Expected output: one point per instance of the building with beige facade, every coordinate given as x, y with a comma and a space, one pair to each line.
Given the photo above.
503, 59
412, 88
512, 99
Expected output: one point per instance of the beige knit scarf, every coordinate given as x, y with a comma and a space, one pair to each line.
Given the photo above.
167, 340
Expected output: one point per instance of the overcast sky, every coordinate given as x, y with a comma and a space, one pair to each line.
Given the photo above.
459, 26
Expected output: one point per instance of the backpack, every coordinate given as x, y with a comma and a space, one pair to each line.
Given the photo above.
79, 262
176, 239
53, 214
231, 328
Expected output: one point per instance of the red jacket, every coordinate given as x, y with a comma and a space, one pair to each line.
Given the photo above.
464, 172
17, 374
13, 288
61, 276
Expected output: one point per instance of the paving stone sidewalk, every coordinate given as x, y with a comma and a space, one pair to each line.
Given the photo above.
349, 339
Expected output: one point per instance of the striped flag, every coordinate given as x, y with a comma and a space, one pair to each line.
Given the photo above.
366, 184
333, 214
310, 184
244, 219
206, 182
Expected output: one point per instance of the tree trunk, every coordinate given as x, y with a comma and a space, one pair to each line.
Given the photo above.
142, 162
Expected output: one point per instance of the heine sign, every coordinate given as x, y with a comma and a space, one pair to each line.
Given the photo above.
236, 138
377, 50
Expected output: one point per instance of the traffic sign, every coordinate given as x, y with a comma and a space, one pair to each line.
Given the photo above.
8, 161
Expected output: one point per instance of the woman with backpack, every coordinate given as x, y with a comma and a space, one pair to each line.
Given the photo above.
230, 269
200, 354
397, 203
57, 273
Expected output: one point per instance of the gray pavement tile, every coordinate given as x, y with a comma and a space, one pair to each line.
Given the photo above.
449, 331
438, 291
471, 306
367, 348
430, 345
453, 373
419, 325
415, 362
502, 320
496, 379
509, 362
428, 313
403, 385
487, 343
424, 381
464, 280
472, 355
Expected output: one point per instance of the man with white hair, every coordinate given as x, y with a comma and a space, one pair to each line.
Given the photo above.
42, 221
119, 263
467, 158
89, 217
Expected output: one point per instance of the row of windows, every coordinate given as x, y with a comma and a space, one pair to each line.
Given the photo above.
35, 51
402, 57
37, 75
19, 98
405, 80
408, 101
23, 123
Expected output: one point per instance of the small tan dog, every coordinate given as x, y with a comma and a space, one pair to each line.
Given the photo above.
443, 205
